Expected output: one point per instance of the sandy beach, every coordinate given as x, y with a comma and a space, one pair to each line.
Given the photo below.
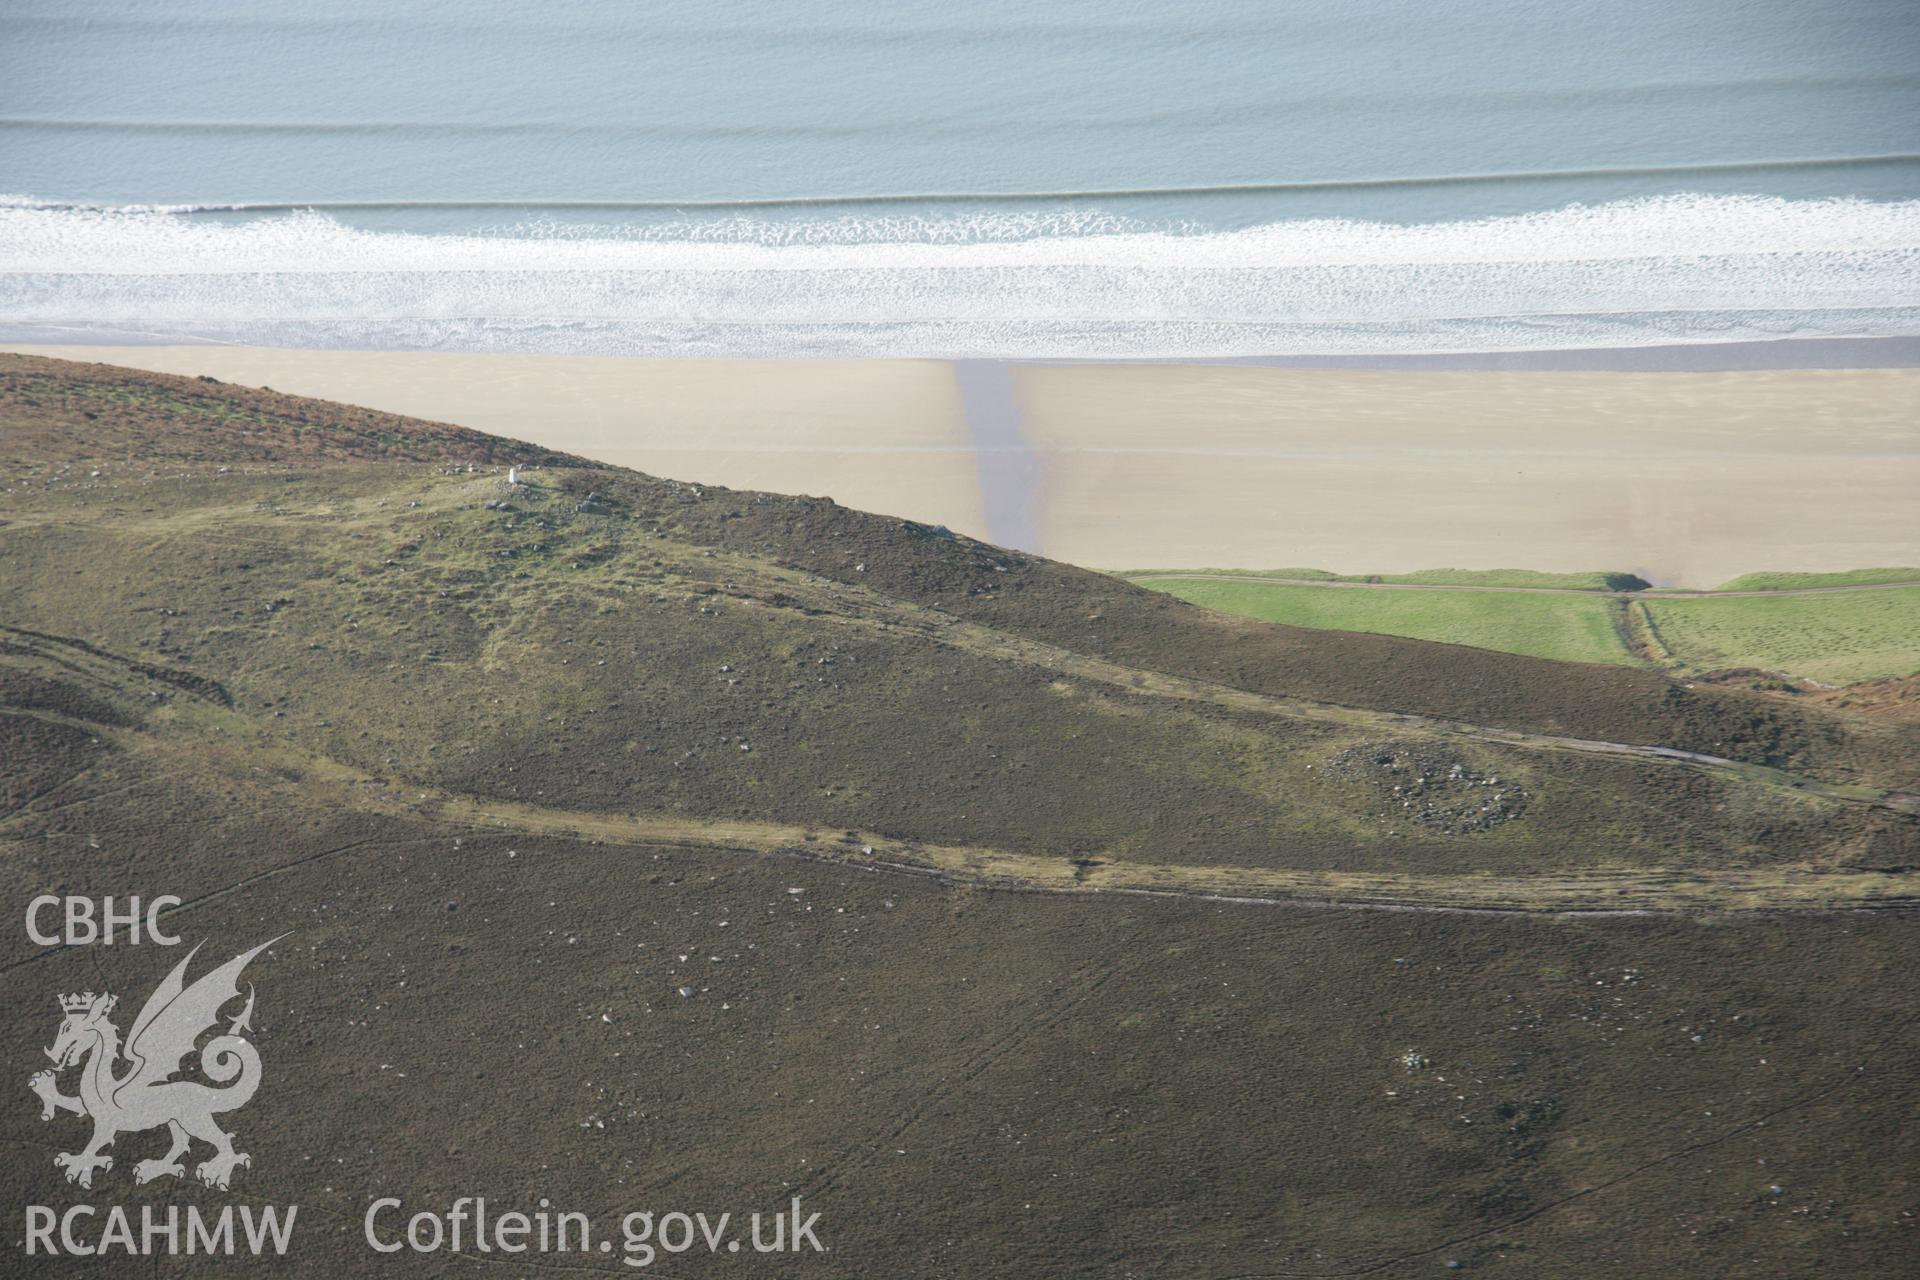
1686, 478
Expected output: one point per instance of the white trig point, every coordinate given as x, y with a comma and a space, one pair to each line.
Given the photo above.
513, 475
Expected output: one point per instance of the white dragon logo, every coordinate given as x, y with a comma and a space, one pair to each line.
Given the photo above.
143, 1097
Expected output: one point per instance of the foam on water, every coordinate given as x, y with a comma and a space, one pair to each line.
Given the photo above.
1090, 285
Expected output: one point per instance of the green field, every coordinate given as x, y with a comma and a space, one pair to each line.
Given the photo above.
1792, 581
1570, 628
1836, 637
1597, 580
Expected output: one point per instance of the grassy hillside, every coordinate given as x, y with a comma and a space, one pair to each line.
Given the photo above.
647, 845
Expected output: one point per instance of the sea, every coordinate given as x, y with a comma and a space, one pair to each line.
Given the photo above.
1121, 179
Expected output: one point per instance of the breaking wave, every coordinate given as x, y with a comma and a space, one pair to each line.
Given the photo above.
1660, 270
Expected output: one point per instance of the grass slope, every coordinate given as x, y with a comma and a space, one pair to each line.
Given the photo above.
970, 1083
503, 761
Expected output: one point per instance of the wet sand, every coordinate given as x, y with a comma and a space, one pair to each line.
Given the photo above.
1688, 478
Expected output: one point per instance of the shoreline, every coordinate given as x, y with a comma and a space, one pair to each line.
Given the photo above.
1686, 477
1902, 352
